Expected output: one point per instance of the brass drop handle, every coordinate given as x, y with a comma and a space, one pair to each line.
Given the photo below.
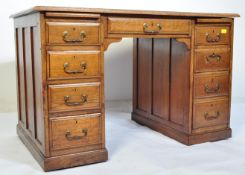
211, 117
213, 89
81, 38
84, 99
76, 137
211, 39
83, 68
146, 30
213, 56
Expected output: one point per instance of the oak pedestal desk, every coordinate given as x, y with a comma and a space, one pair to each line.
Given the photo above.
182, 65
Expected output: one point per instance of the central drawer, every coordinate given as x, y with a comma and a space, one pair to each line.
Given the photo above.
73, 64
70, 97
75, 131
148, 26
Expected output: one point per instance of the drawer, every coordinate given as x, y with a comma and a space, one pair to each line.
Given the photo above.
70, 97
148, 26
212, 59
73, 64
73, 33
75, 131
212, 35
211, 84
210, 113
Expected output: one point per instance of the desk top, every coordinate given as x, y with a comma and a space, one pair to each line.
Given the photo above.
118, 12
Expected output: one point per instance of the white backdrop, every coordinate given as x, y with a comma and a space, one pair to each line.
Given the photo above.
118, 58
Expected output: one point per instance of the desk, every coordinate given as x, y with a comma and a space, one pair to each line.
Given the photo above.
181, 79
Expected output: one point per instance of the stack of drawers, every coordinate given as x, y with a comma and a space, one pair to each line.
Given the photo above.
75, 85
211, 77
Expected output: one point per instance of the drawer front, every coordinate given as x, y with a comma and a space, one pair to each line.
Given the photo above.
212, 59
73, 64
75, 131
210, 85
210, 113
71, 97
148, 26
216, 35
73, 33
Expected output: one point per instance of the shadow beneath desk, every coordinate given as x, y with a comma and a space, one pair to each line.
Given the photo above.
120, 131
14, 151
8, 92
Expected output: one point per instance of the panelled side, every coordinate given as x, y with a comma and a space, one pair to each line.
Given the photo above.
29, 79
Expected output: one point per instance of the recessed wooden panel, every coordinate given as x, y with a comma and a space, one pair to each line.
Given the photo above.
161, 72
144, 74
18, 73
29, 81
37, 74
180, 82
22, 87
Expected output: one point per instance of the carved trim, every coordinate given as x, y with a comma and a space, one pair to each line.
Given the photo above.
186, 41
108, 41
